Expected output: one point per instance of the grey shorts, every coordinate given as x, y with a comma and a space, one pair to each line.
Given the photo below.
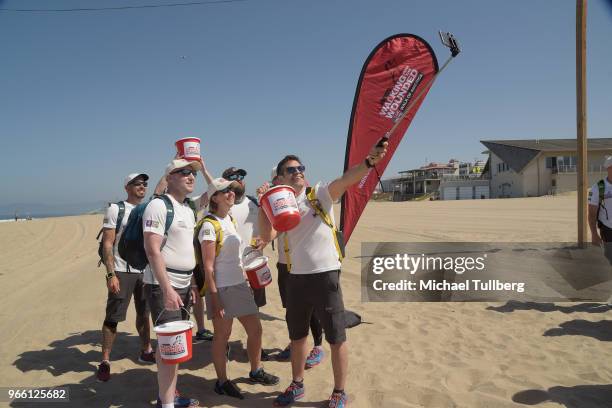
236, 300
155, 300
117, 303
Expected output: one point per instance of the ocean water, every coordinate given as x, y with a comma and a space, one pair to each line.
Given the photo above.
6, 218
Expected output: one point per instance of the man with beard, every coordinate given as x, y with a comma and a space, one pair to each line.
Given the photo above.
168, 277
123, 282
313, 258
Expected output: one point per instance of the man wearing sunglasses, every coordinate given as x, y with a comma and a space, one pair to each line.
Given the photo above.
313, 285
122, 282
169, 275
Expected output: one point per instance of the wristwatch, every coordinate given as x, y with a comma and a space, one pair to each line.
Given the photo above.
109, 275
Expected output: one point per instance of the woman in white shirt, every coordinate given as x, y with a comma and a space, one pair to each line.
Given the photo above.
228, 294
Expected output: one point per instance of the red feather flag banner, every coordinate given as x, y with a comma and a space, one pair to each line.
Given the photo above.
396, 77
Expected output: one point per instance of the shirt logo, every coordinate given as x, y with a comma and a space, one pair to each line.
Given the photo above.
207, 231
152, 224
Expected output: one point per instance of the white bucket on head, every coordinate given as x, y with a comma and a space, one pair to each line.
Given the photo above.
188, 148
174, 341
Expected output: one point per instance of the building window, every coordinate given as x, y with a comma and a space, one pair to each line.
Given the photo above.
502, 167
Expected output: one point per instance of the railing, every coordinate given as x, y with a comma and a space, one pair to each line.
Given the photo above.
434, 176
572, 169
453, 177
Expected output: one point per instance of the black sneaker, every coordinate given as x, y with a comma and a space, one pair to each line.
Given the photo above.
228, 388
261, 377
203, 335
103, 373
265, 356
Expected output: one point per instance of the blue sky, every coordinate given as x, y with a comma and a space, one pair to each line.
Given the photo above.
87, 97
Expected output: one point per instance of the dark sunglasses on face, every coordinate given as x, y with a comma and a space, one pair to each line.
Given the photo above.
139, 183
225, 190
235, 177
186, 172
295, 169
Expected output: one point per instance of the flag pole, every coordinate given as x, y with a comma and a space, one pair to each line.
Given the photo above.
582, 182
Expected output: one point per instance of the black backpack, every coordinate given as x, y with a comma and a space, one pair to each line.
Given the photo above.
121, 206
131, 245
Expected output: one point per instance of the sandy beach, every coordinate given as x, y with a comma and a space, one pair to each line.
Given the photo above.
438, 355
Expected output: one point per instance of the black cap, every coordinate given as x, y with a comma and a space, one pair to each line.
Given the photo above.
233, 170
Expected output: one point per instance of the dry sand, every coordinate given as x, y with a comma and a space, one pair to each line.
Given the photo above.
408, 355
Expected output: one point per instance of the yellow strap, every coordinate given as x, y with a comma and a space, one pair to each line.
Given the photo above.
287, 256
218, 233
316, 206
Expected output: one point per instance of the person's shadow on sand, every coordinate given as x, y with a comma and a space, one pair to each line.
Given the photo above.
65, 357
138, 388
601, 330
579, 396
513, 306
134, 387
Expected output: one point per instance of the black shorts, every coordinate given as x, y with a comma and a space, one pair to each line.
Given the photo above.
260, 297
155, 299
319, 293
606, 236
283, 275
117, 304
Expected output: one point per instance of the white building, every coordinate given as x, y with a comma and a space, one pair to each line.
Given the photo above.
528, 168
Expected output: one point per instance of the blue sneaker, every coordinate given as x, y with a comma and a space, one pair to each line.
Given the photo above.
181, 402
338, 400
315, 357
293, 393
284, 355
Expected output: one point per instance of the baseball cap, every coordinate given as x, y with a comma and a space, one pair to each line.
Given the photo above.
130, 177
218, 184
608, 162
181, 163
233, 170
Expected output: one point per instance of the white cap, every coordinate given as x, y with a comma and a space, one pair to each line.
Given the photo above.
132, 176
608, 162
274, 173
181, 163
218, 184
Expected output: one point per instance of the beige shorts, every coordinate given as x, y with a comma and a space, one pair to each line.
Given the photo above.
236, 300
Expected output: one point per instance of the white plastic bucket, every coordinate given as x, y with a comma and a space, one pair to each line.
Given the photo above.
188, 148
174, 341
258, 272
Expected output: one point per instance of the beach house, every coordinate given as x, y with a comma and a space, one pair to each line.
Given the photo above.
536, 167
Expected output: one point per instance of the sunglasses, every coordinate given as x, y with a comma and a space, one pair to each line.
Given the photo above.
295, 169
139, 183
226, 190
185, 172
235, 177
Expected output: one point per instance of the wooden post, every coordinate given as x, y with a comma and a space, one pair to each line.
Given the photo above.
582, 182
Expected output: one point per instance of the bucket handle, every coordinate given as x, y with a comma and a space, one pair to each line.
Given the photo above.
164, 309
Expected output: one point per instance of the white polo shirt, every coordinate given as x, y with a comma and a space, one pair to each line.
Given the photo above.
604, 217
177, 250
246, 216
312, 248
280, 244
228, 264
110, 221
